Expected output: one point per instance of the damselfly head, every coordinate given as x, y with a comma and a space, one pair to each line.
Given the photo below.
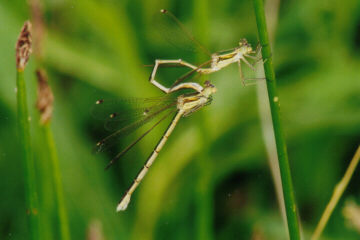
245, 47
207, 83
243, 42
209, 88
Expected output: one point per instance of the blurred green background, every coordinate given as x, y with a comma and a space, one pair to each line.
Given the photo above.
212, 179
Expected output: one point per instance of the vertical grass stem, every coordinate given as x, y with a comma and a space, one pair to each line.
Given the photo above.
56, 173
23, 50
288, 193
45, 106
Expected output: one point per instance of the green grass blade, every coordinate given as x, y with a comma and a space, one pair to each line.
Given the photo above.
338, 192
288, 192
60, 206
29, 165
45, 106
23, 49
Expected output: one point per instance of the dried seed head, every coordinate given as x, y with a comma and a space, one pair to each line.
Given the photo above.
23, 46
45, 98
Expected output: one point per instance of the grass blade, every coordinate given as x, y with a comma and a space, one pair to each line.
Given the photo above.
23, 50
61, 208
288, 192
338, 192
45, 107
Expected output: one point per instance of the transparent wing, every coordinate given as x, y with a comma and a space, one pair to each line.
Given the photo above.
125, 150
123, 122
120, 112
171, 29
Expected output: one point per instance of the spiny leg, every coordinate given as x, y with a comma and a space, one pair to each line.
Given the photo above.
160, 62
241, 73
126, 198
247, 63
243, 79
257, 59
256, 52
258, 49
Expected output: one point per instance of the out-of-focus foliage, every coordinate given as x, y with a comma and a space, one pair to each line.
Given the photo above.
212, 179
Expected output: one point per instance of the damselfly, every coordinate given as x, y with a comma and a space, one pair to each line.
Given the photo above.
218, 61
183, 106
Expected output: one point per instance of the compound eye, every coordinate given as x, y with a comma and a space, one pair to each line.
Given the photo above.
208, 84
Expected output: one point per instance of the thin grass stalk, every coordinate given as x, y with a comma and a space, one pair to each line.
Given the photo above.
338, 192
288, 192
56, 173
23, 50
29, 164
45, 107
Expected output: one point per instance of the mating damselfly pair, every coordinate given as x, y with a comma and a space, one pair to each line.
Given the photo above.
182, 105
